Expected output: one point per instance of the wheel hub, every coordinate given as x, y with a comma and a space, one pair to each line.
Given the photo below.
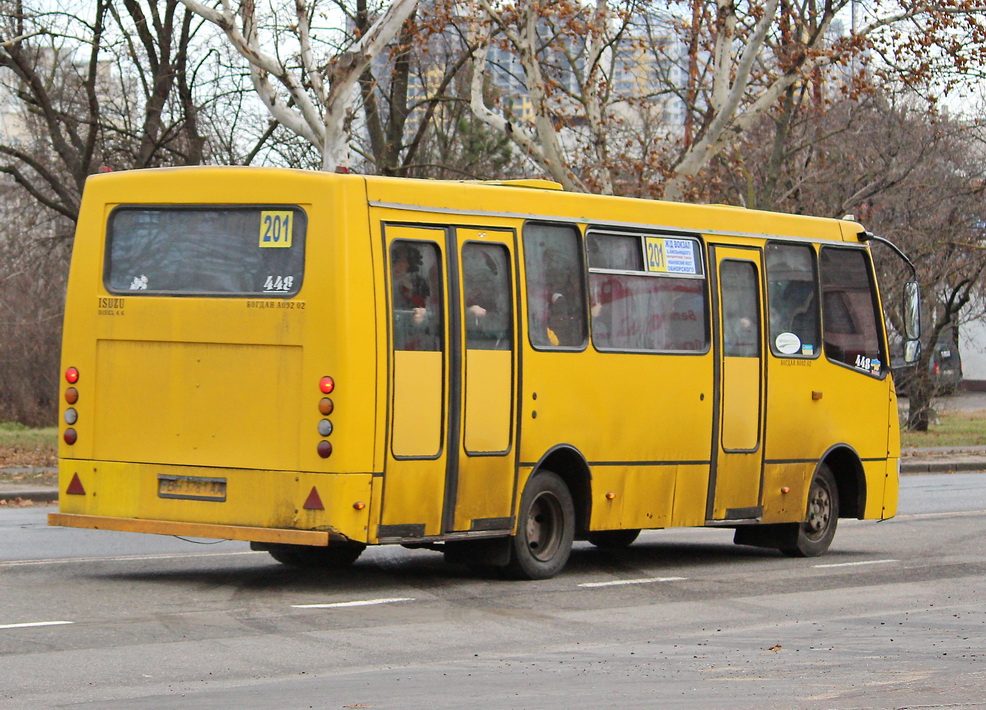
543, 526
819, 510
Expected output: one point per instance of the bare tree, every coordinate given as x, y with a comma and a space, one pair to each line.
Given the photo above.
32, 284
111, 89
307, 93
566, 65
738, 61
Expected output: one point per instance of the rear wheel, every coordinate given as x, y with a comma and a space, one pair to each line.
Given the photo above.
334, 556
815, 534
546, 528
612, 539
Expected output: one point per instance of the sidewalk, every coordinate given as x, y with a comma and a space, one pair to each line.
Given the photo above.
912, 462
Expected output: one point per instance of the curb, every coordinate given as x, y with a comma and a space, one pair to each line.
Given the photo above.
910, 468
35, 495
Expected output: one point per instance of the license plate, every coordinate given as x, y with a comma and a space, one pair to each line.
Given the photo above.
191, 488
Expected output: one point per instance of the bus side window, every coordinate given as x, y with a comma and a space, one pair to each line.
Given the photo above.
486, 289
792, 300
555, 290
740, 314
850, 321
417, 304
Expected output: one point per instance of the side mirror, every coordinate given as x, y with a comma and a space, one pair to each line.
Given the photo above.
912, 311
912, 351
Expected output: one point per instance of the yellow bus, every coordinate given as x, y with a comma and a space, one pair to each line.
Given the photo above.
317, 362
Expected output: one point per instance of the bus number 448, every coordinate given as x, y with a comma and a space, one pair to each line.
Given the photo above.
278, 283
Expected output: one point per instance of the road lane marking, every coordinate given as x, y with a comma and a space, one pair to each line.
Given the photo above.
33, 624
927, 516
622, 582
124, 558
342, 605
856, 564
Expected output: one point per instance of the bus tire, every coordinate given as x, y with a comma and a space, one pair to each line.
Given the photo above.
612, 539
332, 557
815, 534
545, 529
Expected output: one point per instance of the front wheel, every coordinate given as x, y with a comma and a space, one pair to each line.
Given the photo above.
816, 532
545, 530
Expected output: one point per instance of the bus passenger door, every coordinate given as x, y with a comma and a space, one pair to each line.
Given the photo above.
483, 477
734, 490
414, 483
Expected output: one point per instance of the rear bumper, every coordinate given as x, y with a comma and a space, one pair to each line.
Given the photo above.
170, 527
233, 504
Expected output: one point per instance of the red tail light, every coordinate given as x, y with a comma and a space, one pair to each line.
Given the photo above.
71, 375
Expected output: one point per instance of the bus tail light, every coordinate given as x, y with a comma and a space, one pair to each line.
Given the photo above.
325, 407
70, 436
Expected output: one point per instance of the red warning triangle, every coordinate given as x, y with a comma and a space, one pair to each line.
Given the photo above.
75, 487
314, 502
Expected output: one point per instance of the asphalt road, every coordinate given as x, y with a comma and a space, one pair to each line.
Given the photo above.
893, 617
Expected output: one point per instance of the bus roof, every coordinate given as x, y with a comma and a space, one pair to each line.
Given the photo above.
529, 199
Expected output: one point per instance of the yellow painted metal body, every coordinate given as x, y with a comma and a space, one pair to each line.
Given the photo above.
428, 445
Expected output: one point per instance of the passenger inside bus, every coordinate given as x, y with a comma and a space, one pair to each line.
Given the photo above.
564, 324
486, 285
417, 318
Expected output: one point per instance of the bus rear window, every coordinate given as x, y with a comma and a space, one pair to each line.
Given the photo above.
219, 251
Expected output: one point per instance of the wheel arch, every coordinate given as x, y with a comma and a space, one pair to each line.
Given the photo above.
570, 465
850, 478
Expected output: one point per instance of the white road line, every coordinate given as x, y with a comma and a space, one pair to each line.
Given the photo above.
856, 564
340, 605
925, 516
124, 558
33, 624
622, 582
